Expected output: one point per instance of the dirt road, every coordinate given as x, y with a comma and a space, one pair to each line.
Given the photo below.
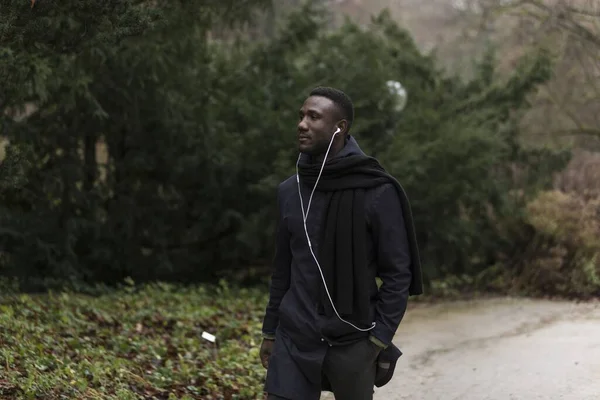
502, 349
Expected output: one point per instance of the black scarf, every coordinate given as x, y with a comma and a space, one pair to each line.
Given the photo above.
342, 245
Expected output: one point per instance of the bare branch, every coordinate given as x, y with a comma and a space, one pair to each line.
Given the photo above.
564, 107
579, 30
586, 13
576, 132
592, 76
563, 15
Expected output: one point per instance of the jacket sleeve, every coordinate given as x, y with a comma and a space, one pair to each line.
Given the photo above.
393, 262
280, 277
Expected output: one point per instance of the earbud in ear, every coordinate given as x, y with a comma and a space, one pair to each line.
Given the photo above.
337, 131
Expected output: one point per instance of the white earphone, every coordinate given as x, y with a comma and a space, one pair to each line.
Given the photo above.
305, 217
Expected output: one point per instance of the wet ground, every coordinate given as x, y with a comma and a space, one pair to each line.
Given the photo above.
501, 349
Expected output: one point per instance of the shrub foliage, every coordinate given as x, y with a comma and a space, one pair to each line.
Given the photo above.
155, 147
134, 343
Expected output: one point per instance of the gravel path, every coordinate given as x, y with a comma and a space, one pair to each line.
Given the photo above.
500, 349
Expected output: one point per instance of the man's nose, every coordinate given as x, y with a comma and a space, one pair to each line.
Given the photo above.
302, 125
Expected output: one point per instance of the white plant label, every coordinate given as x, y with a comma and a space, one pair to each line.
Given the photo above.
209, 337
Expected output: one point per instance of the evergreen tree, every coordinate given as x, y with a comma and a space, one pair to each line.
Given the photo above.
111, 122
157, 141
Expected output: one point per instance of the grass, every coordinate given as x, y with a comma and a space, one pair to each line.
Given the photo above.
134, 343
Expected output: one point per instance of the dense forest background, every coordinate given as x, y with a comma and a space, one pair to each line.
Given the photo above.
145, 140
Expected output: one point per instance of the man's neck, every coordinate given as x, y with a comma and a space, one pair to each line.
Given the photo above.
336, 147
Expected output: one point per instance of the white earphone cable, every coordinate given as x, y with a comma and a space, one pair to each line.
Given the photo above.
305, 217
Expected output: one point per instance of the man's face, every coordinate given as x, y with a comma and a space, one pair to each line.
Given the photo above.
318, 118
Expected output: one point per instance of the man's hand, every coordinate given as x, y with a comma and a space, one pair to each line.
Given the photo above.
266, 348
382, 370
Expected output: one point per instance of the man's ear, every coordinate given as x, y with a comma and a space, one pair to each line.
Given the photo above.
343, 125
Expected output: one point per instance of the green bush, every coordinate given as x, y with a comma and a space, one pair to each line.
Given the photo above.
134, 343
198, 131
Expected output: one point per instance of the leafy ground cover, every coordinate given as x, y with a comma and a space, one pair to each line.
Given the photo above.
134, 343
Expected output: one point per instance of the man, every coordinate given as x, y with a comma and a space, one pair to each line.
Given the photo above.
343, 221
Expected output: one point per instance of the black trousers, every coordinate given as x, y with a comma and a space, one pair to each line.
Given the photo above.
350, 370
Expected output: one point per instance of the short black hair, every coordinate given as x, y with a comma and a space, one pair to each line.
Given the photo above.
341, 99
